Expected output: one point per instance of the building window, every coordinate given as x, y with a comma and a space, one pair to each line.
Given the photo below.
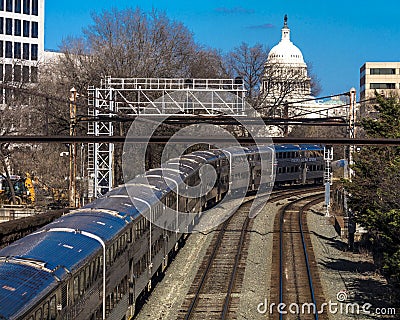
34, 74
382, 71
1, 74
17, 72
1, 25
25, 74
2, 5
25, 53
27, 7
26, 28
17, 27
382, 86
17, 6
8, 73
17, 50
35, 7
1, 49
34, 51
35, 29
9, 26
8, 49
9, 6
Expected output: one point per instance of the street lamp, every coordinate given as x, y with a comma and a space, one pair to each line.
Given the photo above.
72, 149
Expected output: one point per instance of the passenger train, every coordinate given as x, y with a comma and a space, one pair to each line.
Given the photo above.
97, 261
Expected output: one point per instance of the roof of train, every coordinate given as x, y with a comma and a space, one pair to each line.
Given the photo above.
301, 147
37, 256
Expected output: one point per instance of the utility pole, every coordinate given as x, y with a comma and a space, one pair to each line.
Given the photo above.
72, 149
328, 157
352, 127
351, 227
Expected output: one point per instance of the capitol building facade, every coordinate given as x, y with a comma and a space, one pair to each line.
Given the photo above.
286, 85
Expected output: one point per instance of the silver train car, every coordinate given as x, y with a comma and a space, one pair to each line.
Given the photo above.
97, 261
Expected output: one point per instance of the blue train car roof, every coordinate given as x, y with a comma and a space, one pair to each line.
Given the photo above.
301, 147
30, 267
19, 286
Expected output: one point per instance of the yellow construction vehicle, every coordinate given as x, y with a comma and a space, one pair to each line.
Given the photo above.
23, 189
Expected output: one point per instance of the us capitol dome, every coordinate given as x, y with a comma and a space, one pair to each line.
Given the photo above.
286, 86
285, 51
285, 74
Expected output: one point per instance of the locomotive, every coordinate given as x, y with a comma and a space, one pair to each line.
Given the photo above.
97, 261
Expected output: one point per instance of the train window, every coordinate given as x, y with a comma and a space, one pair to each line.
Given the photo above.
87, 276
53, 308
108, 306
76, 288
93, 267
108, 256
82, 282
129, 235
100, 264
46, 311
64, 296
38, 314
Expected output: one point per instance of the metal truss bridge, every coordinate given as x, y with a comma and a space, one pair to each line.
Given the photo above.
150, 97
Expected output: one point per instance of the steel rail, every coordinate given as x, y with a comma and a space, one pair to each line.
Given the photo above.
310, 282
235, 267
282, 211
277, 195
206, 271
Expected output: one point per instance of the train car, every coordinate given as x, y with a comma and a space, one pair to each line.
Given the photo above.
97, 261
299, 164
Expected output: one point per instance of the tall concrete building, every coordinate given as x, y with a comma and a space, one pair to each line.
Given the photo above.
21, 40
383, 77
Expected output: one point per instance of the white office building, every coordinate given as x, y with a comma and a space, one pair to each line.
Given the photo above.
21, 40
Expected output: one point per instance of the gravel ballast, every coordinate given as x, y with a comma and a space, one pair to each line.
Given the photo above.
352, 274
339, 270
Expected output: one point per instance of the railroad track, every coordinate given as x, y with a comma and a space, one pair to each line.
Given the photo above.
215, 291
294, 277
278, 195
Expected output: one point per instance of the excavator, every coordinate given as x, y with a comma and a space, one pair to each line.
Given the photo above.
23, 189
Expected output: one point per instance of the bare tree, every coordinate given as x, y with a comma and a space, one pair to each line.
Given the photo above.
16, 117
248, 63
270, 85
130, 43
127, 44
207, 63
315, 82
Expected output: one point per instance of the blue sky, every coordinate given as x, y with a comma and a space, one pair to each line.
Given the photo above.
335, 37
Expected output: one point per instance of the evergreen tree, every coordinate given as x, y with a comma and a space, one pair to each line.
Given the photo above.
375, 188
